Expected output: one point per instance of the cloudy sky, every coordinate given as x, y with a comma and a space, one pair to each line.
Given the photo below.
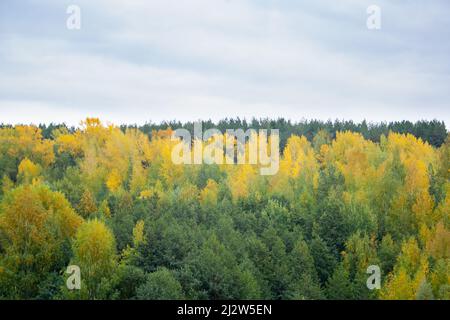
154, 60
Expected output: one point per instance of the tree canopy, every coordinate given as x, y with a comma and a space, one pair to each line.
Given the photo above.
110, 200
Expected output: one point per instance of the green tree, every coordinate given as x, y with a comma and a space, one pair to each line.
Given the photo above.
425, 291
160, 285
339, 286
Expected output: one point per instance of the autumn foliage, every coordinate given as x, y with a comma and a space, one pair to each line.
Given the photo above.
111, 201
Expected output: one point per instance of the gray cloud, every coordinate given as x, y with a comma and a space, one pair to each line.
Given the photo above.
162, 60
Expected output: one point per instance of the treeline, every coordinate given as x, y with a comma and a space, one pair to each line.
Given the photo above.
434, 132
111, 201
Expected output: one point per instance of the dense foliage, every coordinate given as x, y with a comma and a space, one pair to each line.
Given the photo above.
110, 200
434, 132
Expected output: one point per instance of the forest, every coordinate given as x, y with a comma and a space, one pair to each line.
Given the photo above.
109, 199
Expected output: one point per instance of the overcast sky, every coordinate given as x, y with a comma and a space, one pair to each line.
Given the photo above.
145, 60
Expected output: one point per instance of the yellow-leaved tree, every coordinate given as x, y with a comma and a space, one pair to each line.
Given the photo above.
28, 171
208, 196
87, 204
94, 251
410, 272
36, 225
